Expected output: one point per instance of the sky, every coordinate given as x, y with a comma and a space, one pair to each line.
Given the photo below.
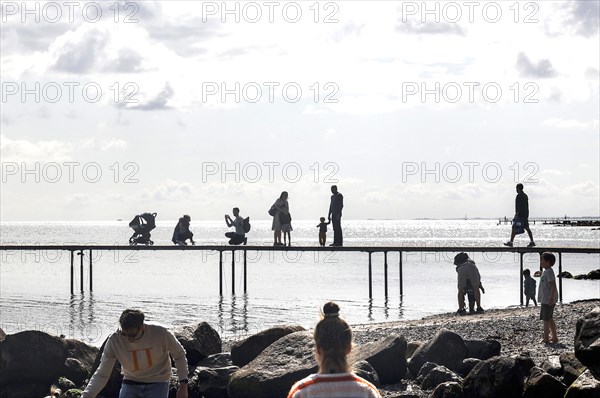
413, 109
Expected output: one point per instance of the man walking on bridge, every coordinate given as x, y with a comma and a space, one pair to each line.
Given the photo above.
521, 216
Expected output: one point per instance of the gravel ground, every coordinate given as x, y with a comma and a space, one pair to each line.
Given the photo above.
518, 329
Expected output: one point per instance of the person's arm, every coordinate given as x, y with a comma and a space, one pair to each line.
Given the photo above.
228, 221
553, 291
102, 374
177, 352
330, 206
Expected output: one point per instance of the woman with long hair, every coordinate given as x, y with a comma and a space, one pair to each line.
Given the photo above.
333, 340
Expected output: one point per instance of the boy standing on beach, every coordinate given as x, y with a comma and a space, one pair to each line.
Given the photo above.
548, 296
529, 288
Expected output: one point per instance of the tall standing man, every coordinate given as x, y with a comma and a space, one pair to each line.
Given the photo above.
335, 215
145, 353
521, 213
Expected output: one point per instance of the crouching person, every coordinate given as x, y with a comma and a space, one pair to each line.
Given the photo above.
144, 352
333, 340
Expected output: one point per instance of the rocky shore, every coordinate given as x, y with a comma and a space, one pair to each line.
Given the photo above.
517, 329
495, 354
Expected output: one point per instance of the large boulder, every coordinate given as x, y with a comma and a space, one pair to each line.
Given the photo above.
541, 384
387, 357
586, 386
439, 375
467, 365
246, 350
81, 357
211, 382
424, 371
497, 377
220, 360
587, 341
571, 367
448, 390
446, 348
482, 349
552, 366
411, 347
199, 341
31, 357
365, 370
276, 369
30, 361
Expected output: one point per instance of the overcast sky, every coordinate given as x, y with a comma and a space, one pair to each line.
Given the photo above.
415, 109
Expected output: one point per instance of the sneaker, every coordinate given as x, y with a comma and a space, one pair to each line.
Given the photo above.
461, 311
531, 244
509, 244
480, 310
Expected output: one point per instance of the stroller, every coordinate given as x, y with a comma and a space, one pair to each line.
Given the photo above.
142, 225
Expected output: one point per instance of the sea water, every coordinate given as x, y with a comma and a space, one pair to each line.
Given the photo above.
182, 287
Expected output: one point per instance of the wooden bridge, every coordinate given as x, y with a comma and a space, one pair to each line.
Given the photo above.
369, 250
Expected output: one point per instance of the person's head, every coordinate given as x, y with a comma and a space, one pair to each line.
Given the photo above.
132, 323
526, 272
460, 258
322, 219
547, 260
333, 340
236, 212
187, 218
519, 187
334, 189
284, 195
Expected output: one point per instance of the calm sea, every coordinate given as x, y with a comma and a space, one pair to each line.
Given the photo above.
180, 288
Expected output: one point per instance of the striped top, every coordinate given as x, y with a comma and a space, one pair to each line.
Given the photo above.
340, 385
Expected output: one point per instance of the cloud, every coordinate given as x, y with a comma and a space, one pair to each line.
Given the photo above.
24, 150
76, 51
169, 190
587, 188
585, 17
592, 74
127, 61
113, 144
567, 124
350, 29
429, 28
185, 36
158, 102
78, 200
543, 69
